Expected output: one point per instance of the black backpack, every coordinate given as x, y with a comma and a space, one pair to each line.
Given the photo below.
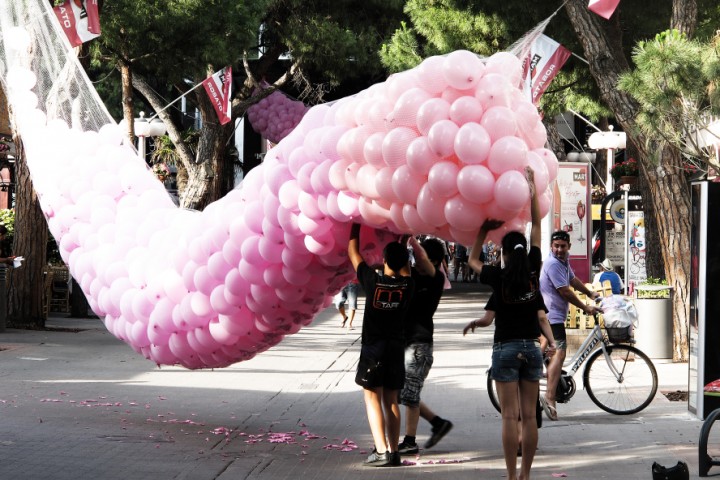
678, 472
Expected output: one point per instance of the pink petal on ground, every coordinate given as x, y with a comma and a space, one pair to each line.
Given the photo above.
559, 475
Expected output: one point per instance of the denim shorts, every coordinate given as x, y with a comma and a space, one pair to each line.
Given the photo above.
516, 360
418, 361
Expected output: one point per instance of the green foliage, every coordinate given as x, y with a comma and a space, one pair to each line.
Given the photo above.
671, 83
7, 218
653, 292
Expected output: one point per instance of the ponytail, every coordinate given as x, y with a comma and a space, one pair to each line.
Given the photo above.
516, 274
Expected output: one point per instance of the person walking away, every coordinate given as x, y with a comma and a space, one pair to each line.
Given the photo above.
381, 370
556, 280
607, 273
348, 295
519, 321
429, 286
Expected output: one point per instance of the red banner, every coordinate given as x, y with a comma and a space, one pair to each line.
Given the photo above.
218, 89
79, 19
604, 8
544, 60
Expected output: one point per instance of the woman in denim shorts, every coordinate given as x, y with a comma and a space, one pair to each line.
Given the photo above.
519, 320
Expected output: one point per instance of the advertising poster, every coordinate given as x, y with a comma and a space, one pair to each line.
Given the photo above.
570, 212
636, 247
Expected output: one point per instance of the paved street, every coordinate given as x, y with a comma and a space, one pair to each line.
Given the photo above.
84, 405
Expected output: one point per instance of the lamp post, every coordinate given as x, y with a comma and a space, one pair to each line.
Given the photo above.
144, 129
609, 141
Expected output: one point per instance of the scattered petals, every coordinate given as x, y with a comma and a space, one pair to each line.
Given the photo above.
559, 475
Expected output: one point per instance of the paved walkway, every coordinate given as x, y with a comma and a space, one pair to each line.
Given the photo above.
84, 405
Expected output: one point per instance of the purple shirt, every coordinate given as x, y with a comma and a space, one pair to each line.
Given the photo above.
555, 274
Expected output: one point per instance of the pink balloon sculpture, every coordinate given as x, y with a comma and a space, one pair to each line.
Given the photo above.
433, 150
275, 116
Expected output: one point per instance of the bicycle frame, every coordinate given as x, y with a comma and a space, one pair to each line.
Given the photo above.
588, 346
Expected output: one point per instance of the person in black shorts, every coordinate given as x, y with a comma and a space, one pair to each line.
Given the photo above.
381, 369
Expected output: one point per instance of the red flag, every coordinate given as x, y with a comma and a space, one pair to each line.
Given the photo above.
218, 89
79, 19
604, 8
544, 60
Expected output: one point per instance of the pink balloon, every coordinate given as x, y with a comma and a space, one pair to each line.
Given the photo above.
395, 145
430, 207
450, 94
406, 184
396, 215
462, 69
507, 153
419, 156
351, 177
506, 64
463, 215
366, 181
441, 138
472, 143
494, 90
476, 183
407, 106
431, 112
499, 122
466, 109
551, 162
347, 203
413, 220
542, 177
336, 174
442, 178
430, 74
373, 150
511, 190
383, 184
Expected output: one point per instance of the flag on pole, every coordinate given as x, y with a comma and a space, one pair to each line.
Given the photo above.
218, 89
604, 8
544, 60
80, 19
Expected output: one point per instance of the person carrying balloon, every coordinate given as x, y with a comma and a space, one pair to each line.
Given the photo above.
381, 369
517, 361
429, 286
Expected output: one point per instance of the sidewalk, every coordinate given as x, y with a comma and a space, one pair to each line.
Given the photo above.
84, 405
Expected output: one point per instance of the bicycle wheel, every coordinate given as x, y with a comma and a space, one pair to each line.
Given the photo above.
635, 388
492, 392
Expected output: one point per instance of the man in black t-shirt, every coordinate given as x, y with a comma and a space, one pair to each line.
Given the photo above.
381, 369
419, 327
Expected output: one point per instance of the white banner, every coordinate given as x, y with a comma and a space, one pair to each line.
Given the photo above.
218, 89
79, 19
543, 62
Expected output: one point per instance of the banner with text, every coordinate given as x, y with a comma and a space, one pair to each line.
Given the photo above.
542, 64
80, 19
218, 89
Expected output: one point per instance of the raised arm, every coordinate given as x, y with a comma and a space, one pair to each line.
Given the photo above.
422, 263
474, 260
354, 246
536, 230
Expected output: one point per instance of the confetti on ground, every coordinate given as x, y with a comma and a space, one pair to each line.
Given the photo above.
559, 475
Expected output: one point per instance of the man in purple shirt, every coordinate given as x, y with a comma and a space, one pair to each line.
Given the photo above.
556, 278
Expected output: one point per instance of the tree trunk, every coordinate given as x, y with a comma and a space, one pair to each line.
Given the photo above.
25, 295
668, 189
127, 100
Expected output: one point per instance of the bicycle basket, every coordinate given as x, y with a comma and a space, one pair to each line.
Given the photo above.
619, 335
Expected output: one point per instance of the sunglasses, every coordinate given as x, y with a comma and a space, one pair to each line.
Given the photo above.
564, 236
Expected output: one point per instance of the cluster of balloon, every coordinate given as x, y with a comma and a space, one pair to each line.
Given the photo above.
275, 116
433, 150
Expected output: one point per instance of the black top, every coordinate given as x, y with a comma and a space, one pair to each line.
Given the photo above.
516, 315
419, 318
386, 302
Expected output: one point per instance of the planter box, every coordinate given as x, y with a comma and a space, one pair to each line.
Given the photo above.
654, 335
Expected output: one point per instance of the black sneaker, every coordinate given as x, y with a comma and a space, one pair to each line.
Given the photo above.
406, 448
438, 433
376, 459
394, 460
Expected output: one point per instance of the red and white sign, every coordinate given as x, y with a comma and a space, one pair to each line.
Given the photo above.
218, 89
544, 60
79, 19
604, 8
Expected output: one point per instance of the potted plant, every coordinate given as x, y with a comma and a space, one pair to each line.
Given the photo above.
625, 172
654, 307
161, 171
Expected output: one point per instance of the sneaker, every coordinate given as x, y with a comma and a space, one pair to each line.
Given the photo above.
408, 448
438, 433
376, 459
394, 460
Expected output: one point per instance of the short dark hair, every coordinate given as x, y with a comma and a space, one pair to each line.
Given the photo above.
434, 249
395, 255
560, 235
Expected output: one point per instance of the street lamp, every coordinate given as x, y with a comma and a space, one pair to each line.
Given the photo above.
143, 129
609, 141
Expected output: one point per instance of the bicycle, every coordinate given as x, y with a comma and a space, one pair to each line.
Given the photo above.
624, 383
